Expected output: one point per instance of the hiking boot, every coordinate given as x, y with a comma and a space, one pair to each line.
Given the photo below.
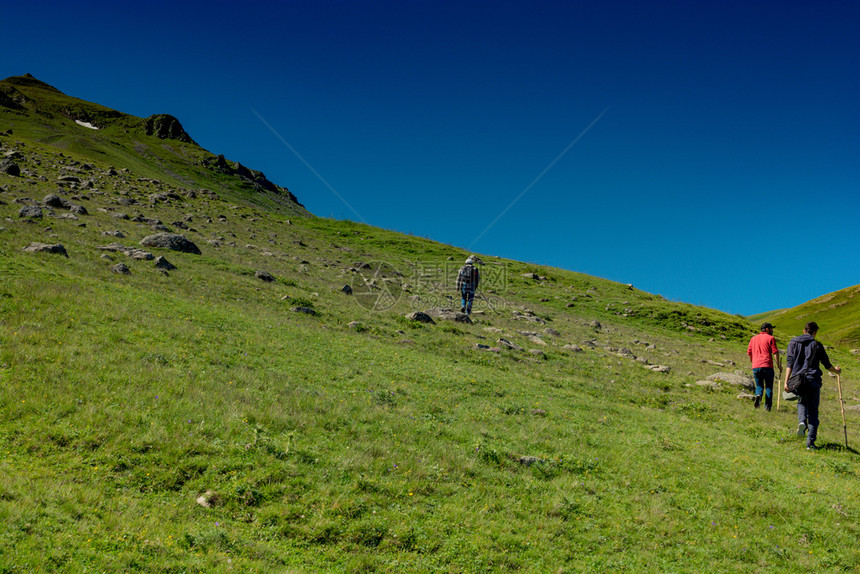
812, 447
801, 429
757, 401
462, 309
767, 408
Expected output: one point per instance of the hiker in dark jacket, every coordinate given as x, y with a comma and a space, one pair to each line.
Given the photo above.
468, 279
804, 352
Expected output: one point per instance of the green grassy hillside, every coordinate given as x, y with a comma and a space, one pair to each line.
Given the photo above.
241, 413
156, 147
837, 315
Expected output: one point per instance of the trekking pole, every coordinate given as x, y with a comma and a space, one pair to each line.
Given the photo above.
779, 386
487, 299
842, 404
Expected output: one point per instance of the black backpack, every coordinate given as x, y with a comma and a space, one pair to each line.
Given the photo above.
797, 380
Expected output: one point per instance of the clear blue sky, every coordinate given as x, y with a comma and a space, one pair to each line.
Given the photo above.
723, 168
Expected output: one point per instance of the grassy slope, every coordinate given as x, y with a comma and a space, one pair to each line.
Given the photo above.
837, 315
385, 445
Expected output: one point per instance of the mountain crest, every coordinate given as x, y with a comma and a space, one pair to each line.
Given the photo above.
165, 126
41, 113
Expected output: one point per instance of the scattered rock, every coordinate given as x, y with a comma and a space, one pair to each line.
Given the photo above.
445, 314
162, 263
305, 310
527, 316
710, 385
733, 379
121, 269
56, 248
31, 211
9, 167
264, 276
346, 290
421, 317
574, 348
132, 252
209, 499
510, 345
746, 397
658, 368
595, 324
172, 241
552, 332
54, 200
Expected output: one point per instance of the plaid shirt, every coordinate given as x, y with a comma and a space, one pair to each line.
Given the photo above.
468, 278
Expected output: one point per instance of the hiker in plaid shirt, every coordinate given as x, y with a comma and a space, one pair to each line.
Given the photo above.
468, 279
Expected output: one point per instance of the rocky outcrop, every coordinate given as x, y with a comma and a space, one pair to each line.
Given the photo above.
165, 126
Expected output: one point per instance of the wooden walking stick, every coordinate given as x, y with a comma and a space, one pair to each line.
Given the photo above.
779, 385
842, 404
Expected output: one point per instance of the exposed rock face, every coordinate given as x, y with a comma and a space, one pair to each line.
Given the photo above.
172, 241
165, 126
11, 98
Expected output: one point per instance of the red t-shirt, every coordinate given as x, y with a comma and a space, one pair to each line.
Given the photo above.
760, 349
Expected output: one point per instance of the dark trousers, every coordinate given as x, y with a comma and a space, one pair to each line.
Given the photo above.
807, 410
468, 295
764, 379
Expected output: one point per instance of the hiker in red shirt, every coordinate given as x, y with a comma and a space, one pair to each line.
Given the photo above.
761, 351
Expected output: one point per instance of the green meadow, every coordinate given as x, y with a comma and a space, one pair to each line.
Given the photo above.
204, 419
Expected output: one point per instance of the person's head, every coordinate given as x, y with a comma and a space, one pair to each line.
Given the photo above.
811, 328
767, 328
473, 260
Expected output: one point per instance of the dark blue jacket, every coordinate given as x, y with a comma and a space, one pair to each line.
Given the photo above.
798, 357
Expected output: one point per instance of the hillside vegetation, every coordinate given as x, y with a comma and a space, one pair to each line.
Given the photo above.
236, 410
837, 313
